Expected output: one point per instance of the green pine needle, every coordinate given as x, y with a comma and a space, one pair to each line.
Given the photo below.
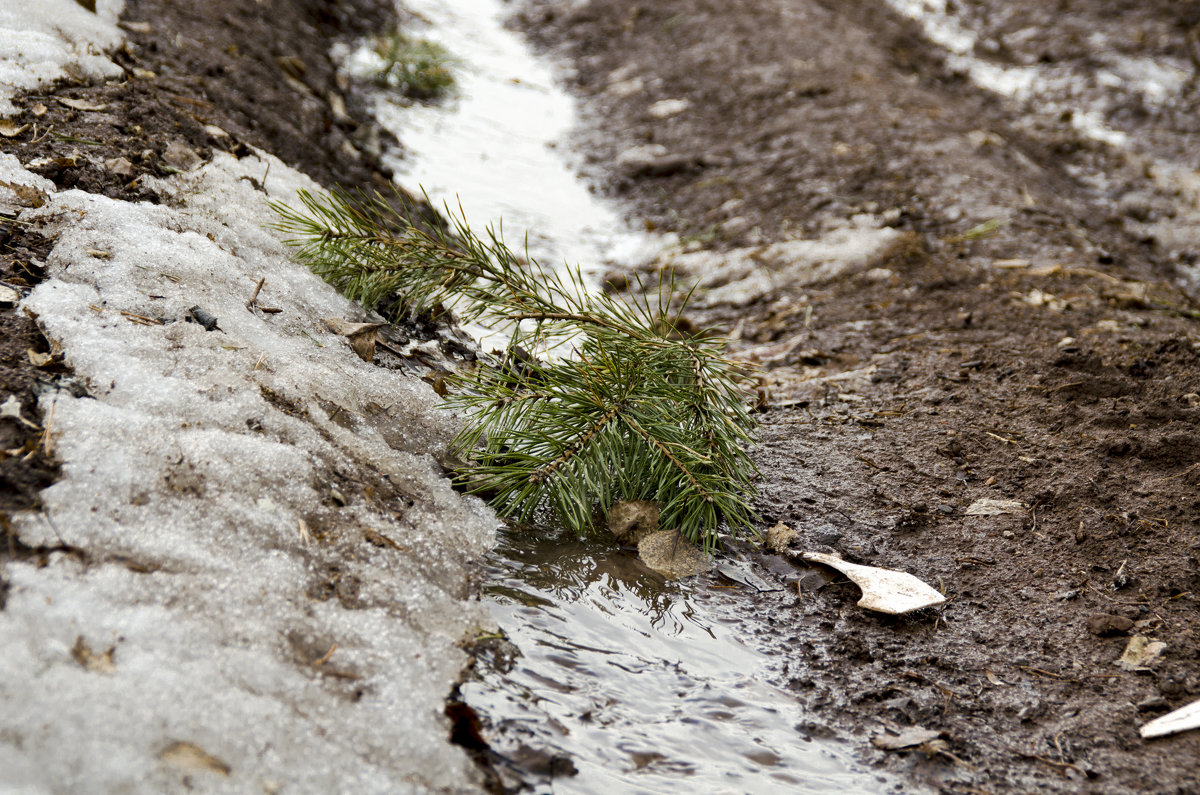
638, 410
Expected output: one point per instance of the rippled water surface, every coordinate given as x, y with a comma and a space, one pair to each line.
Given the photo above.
645, 685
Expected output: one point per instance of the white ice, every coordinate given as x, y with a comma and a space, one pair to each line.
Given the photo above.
46, 40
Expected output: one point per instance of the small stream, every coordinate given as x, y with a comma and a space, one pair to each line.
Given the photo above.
643, 685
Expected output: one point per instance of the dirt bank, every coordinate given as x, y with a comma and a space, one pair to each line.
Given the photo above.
1024, 339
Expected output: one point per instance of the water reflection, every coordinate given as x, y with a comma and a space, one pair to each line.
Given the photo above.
642, 683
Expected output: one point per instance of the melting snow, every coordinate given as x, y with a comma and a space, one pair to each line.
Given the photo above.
198, 483
47, 40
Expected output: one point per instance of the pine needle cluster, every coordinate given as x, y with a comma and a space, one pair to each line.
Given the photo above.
597, 398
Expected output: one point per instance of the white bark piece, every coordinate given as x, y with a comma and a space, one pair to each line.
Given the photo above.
996, 507
884, 590
1182, 719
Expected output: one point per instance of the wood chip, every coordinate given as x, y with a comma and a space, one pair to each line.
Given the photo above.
883, 590
81, 104
988, 507
907, 738
192, 757
1182, 719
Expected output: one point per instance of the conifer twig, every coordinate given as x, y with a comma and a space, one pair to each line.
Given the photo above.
639, 411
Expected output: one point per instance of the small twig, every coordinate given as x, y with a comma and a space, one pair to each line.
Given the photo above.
257, 288
1042, 672
49, 426
1001, 438
141, 320
325, 657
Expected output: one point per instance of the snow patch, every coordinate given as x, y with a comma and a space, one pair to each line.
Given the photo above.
49, 40
744, 275
227, 492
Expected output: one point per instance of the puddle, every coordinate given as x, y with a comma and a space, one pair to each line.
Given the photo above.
643, 685
639, 683
493, 146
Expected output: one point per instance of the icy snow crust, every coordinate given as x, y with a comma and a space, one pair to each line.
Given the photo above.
45, 40
198, 479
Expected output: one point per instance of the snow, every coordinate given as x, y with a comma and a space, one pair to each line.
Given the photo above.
48, 40
742, 276
198, 480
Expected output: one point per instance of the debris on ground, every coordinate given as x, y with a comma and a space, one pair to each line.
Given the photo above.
883, 590
1182, 719
673, 556
632, 520
1141, 654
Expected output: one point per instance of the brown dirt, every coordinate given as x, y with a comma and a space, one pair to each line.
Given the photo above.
801, 115
805, 113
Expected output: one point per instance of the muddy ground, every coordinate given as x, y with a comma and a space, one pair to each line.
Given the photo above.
1052, 358
1026, 339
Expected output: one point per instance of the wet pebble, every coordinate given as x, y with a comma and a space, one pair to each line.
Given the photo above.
1103, 624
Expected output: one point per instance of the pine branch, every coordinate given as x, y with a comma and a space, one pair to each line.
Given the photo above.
637, 411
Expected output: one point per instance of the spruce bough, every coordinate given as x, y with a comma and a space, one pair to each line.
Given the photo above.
625, 406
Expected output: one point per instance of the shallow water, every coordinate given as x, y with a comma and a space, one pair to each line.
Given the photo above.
493, 146
642, 684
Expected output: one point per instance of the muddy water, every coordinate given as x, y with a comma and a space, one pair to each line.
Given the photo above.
492, 148
634, 680
638, 682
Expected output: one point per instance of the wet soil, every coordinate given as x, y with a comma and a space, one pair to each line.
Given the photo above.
802, 114
1030, 339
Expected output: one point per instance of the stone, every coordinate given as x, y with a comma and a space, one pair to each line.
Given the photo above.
672, 555
632, 520
1102, 624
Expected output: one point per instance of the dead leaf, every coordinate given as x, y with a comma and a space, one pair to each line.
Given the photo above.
991, 677
39, 109
361, 336
378, 539
101, 663
192, 757
81, 104
907, 738
672, 555
1141, 654
27, 195
9, 129
8, 296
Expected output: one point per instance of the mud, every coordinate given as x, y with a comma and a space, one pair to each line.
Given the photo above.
1033, 337
1029, 340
